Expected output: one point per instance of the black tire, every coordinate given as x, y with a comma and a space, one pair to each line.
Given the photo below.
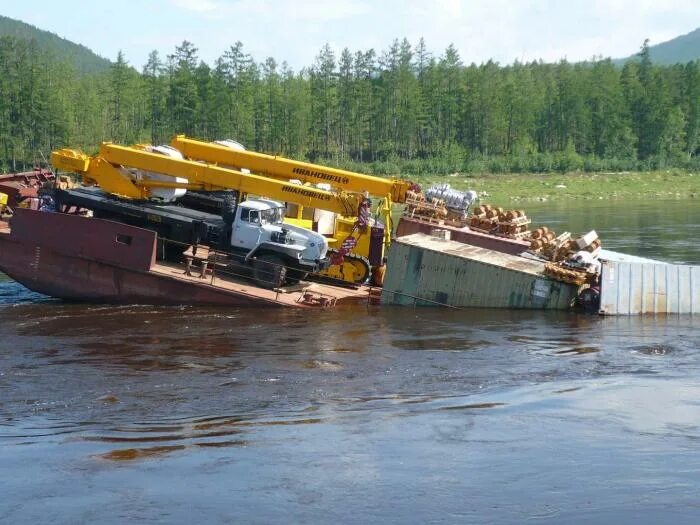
269, 271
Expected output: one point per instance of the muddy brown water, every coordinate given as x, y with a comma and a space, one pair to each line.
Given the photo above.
191, 415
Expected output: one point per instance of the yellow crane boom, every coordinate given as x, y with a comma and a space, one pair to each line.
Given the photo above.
287, 169
110, 170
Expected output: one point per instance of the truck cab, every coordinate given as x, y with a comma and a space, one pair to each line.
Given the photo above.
273, 247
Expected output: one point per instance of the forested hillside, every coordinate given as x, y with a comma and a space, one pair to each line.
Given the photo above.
79, 56
401, 110
679, 50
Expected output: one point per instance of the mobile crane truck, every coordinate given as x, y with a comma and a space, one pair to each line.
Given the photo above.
356, 242
136, 185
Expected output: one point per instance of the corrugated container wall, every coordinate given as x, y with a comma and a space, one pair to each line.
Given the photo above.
647, 288
423, 270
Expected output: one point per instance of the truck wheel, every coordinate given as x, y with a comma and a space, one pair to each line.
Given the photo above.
269, 271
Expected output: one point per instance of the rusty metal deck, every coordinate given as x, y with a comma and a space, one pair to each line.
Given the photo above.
285, 296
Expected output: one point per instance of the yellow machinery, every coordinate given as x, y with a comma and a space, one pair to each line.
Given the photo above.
107, 170
3, 203
353, 266
288, 169
137, 173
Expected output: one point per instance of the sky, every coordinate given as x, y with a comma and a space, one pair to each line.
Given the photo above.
294, 31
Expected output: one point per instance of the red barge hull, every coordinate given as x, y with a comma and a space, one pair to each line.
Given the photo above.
100, 261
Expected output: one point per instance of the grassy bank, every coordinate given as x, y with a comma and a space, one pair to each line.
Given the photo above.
506, 188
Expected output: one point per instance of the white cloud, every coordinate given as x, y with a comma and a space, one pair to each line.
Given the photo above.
200, 6
501, 30
281, 13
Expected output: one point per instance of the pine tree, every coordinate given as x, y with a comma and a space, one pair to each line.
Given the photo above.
324, 101
183, 97
154, 91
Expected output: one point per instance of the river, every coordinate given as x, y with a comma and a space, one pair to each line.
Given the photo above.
398, 415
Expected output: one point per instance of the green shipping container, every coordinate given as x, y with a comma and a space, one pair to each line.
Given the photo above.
426, 270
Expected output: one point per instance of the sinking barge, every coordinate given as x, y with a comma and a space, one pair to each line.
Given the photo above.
483, 271
424, 270
86, 259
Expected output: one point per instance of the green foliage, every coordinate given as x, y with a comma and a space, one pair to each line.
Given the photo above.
80, 57
400, 111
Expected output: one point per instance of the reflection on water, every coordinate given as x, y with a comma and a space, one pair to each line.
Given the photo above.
399, 415
667, 230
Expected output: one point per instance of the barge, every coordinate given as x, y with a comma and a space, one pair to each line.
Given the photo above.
86, 259
462, 268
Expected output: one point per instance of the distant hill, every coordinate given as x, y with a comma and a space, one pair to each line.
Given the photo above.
680, 50
85, 60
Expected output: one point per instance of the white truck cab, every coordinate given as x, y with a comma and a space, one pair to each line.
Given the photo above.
259, 230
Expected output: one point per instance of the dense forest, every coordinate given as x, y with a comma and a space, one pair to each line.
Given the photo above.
83, 58
401, 110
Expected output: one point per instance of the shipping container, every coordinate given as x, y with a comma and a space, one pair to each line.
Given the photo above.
630, 288
425, 270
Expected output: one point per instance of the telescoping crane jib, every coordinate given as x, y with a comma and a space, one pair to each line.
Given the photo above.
251, 232
110, 171
288, 169
142, 172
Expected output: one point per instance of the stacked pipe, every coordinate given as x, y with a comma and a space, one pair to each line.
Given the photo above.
417, 204
540, 238
485, 218
513, 224
548, 244
573, 261
562, 273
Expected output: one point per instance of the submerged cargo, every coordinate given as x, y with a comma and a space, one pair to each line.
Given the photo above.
425, 270
629, 288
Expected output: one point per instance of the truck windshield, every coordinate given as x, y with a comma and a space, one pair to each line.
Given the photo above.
272, 216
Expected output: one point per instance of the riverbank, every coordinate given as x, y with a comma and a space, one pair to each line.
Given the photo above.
503, 189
